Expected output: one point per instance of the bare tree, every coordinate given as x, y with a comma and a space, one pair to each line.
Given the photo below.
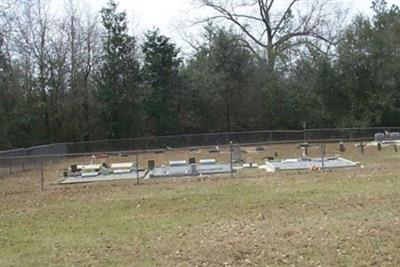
6, 18
80, 26
276, 26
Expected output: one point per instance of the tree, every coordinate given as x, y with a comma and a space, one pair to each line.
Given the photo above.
223, 77
83, 50
161, 76
281, 31
118, 78
4, 98
368, 61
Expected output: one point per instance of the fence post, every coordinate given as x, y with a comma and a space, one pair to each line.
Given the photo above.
137, 167
41, 174
10, 166
230, 157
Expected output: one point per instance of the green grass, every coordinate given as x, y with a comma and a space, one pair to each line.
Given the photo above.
342, 218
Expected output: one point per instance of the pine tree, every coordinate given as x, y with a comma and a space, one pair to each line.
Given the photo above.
160, 72
118, 78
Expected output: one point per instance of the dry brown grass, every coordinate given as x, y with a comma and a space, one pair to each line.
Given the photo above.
339, 218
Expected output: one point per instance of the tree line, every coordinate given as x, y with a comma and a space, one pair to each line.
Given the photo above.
80, 76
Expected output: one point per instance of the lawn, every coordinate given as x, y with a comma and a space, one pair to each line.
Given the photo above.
339, 218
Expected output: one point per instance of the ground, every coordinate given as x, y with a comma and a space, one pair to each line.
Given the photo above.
337, 218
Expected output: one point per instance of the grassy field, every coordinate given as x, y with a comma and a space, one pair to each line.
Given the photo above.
339, 218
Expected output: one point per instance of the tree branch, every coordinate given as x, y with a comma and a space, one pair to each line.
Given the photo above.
289, 8
228, 15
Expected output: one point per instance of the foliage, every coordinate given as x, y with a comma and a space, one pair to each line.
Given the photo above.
161, 77
222, 77
118, 89
72, 79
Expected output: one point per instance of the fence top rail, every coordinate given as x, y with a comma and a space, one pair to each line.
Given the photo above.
12, 150
229, 133
144, 151
214, 134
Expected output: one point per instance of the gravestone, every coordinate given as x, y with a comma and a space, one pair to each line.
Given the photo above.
379, 137
342, 148
236, 153
394, 136
151, 164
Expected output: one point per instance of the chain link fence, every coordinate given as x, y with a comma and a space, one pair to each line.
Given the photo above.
217, 139
34, 158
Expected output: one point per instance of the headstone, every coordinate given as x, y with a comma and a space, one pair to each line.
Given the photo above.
214, 150
74, 168
176, 163
193, 168
379, 137
260, 148
394, 136
208, 162
193, 149
305, 146
151, 164
236, 153
342, 148
192, 160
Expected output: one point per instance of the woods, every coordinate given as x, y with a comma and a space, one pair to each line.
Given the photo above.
84, 75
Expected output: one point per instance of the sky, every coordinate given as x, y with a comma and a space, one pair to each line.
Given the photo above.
170, 16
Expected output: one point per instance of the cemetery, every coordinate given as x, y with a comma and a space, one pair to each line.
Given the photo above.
213, 161
187, 195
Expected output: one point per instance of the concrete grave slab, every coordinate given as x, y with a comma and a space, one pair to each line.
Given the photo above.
204, 167
101, 178
308, 164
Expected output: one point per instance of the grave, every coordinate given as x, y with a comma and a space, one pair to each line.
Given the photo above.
90, 170
394, 136
386, 140
379, 137
256, 149
250, 165
194, 149
118, 168
237, 154
308, 164
214, 150
388, 137
342, 148
100, 172
182, 168
102, 178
